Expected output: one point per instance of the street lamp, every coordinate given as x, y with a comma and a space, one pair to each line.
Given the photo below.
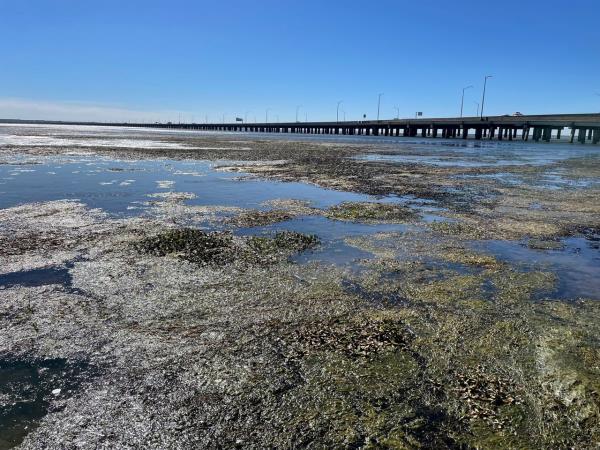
462, 100
378, 105
246, 116
483, 97
337, 113
477, 103
397, 112
297, 109
267, 115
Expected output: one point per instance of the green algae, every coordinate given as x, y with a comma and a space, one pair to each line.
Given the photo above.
461, 255
545, 244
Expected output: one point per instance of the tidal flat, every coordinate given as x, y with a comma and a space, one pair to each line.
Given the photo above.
163, 289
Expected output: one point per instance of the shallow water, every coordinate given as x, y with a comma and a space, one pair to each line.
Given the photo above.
129, 187
36, 277
27, 389
489, 154
576, 264
122, 187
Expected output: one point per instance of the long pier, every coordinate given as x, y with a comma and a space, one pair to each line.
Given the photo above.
581, 128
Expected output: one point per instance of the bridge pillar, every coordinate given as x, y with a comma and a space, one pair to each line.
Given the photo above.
581, 135
478, 133
547, 134
558, 133
590, 134
465, 132
596, 136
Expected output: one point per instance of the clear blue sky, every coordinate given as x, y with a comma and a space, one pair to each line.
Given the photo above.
69, 59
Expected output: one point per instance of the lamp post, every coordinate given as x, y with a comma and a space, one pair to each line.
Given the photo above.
297, 109
397, 112
378, 104
337, 113
267, 115
483, 97
462, 99
477, 103
246, 116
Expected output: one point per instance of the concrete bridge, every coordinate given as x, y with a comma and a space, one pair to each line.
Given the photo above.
581, 127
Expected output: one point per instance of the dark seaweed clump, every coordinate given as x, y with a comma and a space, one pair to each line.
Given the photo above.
371, 212
260, 218
192, 245
221, 248
282, 241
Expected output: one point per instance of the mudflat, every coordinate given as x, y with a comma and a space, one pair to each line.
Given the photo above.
184, 290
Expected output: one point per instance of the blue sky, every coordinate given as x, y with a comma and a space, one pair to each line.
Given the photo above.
155, 60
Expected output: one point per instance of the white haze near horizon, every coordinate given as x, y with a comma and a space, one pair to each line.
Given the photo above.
15, 108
